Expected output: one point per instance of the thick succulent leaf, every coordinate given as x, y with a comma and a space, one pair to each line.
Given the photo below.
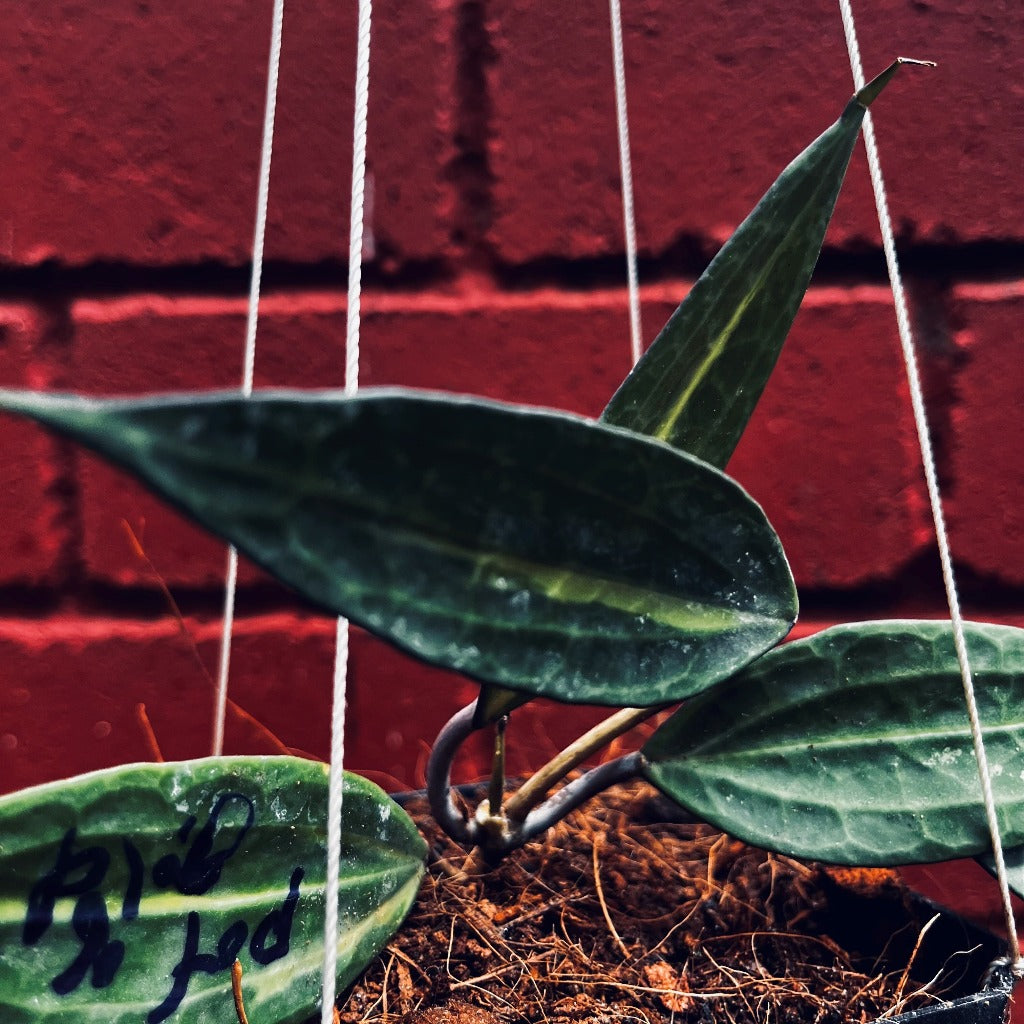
853, 746
125, 895
531, 549
697, 385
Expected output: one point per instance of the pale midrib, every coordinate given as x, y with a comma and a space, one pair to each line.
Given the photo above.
310, 962
275, 976
677, 614
166, 904
715, 350
423, 540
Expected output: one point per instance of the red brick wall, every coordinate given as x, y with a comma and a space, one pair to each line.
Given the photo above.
130, 148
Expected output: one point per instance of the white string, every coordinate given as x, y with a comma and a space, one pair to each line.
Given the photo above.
355, 261
249, 359
626, 173
931, 479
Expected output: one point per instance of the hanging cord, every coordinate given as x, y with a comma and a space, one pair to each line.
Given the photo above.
355, 264
931, 479
249, 360
626, 173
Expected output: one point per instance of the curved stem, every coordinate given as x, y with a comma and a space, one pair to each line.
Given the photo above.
439, 777
571, 795
533, 791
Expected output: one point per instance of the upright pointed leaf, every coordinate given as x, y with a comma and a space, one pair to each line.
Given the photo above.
697, 385
853, 746
125, 895
531, 549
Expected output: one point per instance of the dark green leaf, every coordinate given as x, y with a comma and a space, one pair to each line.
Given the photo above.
105, 880
854, 746
525, 548
697, 385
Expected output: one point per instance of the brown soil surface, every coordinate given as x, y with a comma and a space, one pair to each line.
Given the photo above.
622, 914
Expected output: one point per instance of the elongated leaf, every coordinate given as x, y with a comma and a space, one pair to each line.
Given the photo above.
125, 895
532, 549
853, 746
697, 385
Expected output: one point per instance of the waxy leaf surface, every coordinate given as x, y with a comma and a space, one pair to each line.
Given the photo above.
853, 746
531, 549
126, 894
698, 384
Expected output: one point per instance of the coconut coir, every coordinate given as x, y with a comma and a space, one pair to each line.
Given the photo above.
626, 913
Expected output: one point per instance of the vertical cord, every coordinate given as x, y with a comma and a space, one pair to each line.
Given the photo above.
931, 479
263, 192
355, 260
626, 172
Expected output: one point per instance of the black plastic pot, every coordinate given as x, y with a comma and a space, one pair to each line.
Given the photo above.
864, 917
988, 1006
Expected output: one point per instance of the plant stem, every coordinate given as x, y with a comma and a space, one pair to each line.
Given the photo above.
496, 791
535, 789
496, 833
572, 794
439, 777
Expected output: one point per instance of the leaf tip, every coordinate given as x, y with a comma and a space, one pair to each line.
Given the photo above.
869, 93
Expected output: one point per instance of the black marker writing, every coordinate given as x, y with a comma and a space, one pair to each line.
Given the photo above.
80, 874
192, 961
92, 926
136, 876
200, 869
57, 883
277, 923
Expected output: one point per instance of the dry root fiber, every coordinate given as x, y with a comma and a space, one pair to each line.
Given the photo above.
621, 915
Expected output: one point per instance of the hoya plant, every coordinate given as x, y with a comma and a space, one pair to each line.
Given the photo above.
607, 562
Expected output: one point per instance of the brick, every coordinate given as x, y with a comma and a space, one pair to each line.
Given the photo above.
566, 352
72, 687
720, 102
137, 130
831, 452
35, 530
987, 458
152, 343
